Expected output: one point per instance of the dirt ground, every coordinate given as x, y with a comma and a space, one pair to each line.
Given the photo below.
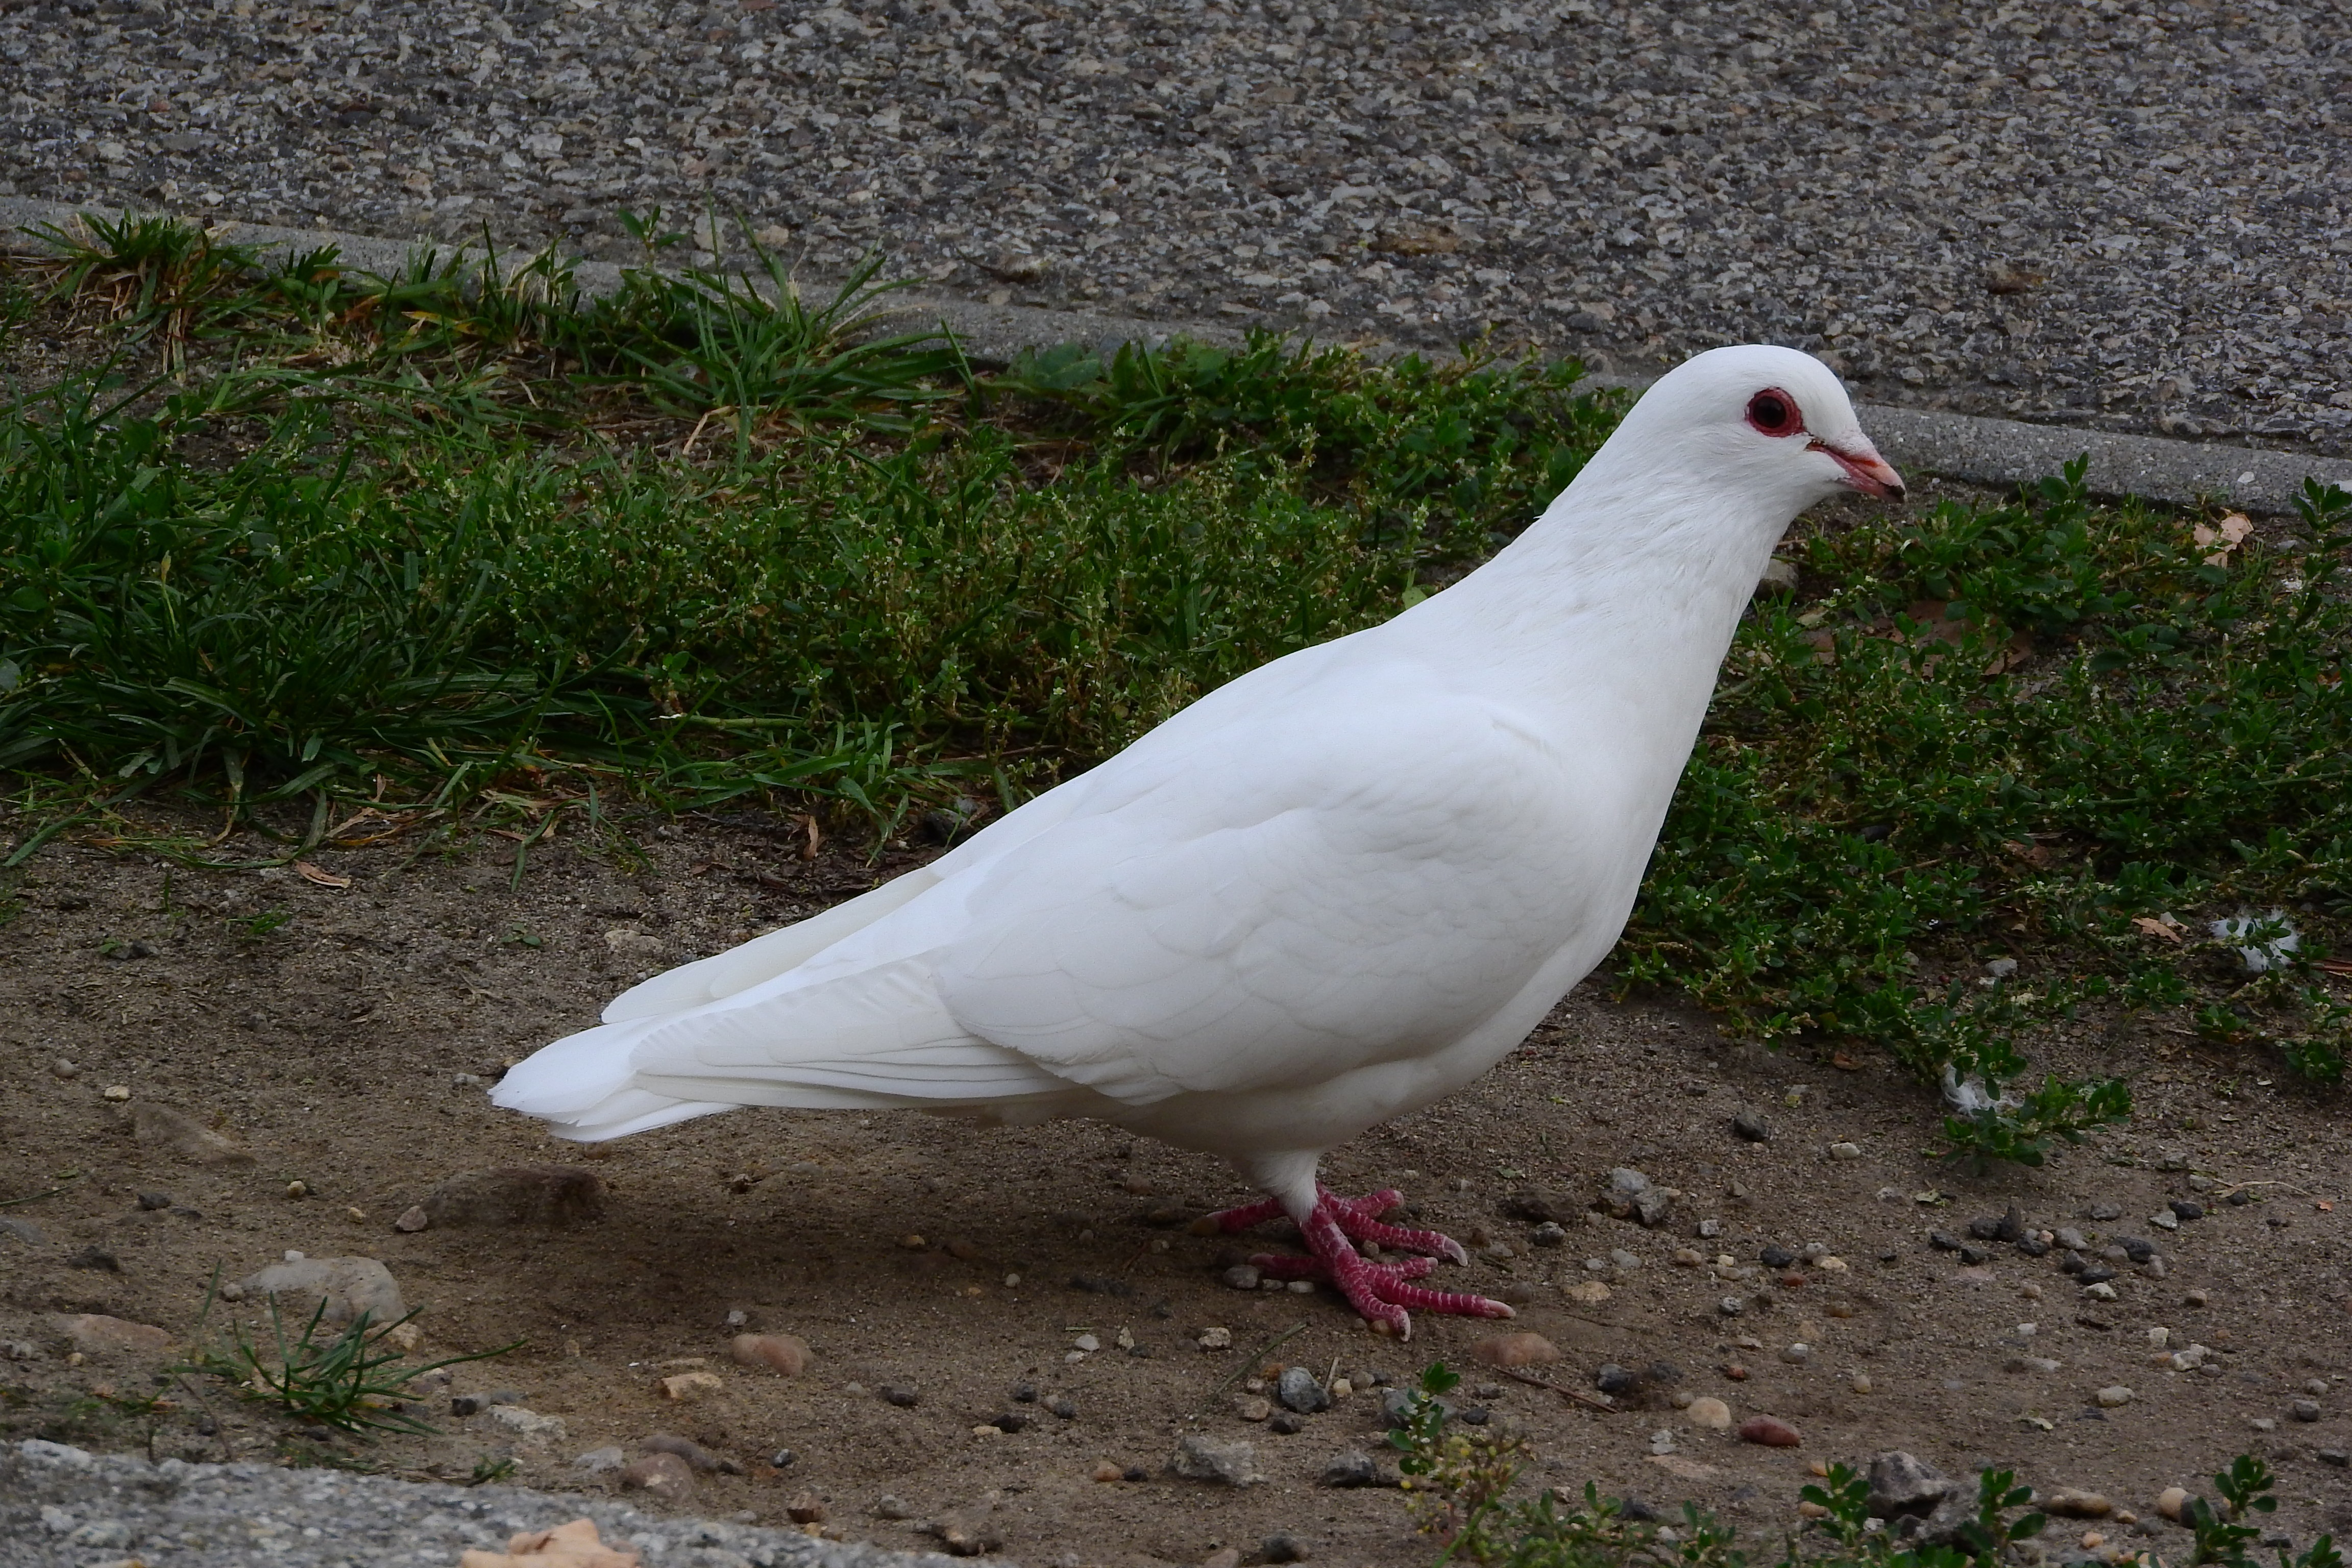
344, 1035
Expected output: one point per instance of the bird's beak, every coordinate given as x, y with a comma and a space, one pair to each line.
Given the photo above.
1866, 470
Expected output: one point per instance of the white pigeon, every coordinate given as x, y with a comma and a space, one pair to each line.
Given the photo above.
1323, 894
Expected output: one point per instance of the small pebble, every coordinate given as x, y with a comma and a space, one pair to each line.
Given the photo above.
1061, 1407
2187, 1208
1796, 1356
1281, 1549
1252, 1406
1862, 1382
2114, 1396
2316, 1387
1289, 1423
1514, 1350
2171, 1502
2336, 1456
1087, 1342
1769, 1431
1752, 1127
785, 1354
1710, 1412
906, 1396
1551, 1232
2199, 1297
2304, 1410
1244, 1277
2263, 1424
1215, 1339
2165, 1219
1844, 1151
1106, 1471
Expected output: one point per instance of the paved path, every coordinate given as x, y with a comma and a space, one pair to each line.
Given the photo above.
61, 1507
2120, 212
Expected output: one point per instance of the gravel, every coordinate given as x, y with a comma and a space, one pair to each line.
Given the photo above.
63, 1508
2129, 215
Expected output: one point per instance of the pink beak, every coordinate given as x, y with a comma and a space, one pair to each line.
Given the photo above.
1866, 470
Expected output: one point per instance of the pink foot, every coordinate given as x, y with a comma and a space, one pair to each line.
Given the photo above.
1381, 1292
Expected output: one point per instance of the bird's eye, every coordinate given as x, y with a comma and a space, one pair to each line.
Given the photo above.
1774, 412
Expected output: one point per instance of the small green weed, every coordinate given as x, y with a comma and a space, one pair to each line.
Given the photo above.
491, 1472
350, 1379
1457, 1489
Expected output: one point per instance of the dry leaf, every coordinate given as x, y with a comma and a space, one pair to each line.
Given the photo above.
2156, 928
310, 873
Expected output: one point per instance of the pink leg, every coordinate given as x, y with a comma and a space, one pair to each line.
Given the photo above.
1381, 1292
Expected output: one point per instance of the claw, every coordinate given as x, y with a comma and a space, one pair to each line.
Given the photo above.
1381, 1292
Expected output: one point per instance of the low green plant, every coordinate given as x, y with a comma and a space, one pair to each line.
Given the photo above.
1994, 1119
1456, 1487
2224, 1533
492, 1471
351, 1378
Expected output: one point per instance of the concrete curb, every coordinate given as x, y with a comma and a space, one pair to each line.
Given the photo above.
1997, 453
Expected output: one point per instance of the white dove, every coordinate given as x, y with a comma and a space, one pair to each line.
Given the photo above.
1326, 894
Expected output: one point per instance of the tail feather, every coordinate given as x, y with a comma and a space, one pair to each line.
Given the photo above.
872, 1039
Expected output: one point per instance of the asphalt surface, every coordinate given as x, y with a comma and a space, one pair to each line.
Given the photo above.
2108, 215
62, 1507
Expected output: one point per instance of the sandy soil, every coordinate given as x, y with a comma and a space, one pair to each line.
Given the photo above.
346, 1047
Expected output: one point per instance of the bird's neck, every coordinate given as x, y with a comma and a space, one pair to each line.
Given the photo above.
1589, 606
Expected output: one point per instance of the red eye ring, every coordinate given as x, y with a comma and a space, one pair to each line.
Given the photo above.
1774, 412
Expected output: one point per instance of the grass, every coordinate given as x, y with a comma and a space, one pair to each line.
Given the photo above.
1458, 1486
351, 556
354, 1379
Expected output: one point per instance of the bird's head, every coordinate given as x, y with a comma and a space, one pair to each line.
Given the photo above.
1771, 421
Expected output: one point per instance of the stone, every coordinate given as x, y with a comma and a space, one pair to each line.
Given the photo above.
412, 1219
348, 1286
600, 1461
1613, 1380
784, 1354
2304, 1410
2069, 1502
1550, 1233
1299, 1390
703, 1460
1769, 1431
2165, 1219
1288, 1423
905, 1396
1797, 1354
1514, 1350
1586, 1292
665, 1476
2114, 1397
2336, 1456
1353, 1468
2187, 1208
680, 1388
553, 1195
1752, 1127
1215, 1340
1776, 1256
572, 1545
23, 1230
1281, 1548
1244, 1277
2172, 1502
890, 1506
1252, 1406
176, 1133
1845, 1151
528, 1424
807, 1509
1203, 1458
95, 1334
1710, 1412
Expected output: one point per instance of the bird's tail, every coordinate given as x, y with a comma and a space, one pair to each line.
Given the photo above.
874, 1040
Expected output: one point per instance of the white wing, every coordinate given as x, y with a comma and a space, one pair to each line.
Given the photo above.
1303, 899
